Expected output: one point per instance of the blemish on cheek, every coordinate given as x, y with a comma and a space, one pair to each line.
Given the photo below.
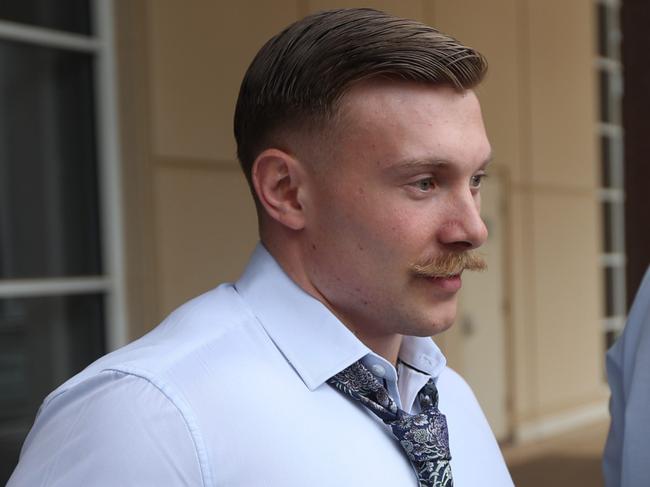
313, 246
360, 247
365, 303
361, 191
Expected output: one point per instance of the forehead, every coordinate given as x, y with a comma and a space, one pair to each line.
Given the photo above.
390, 121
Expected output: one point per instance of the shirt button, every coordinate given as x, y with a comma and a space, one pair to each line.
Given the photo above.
378, 370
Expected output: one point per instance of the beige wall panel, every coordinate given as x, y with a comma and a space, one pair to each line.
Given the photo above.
568, 332
200, 50
412, 9
206, 230
491, 27
563, 97
523, 319
137, 184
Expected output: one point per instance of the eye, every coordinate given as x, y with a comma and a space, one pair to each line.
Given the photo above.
475, 181
424, 184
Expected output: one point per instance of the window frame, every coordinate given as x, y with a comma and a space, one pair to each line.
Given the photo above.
101, 45
610, 65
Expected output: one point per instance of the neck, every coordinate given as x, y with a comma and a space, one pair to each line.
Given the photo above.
385, 346
286, 252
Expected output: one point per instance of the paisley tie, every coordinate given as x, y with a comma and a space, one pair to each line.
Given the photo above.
423, 436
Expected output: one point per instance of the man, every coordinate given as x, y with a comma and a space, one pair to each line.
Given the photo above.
626, 459
364, 145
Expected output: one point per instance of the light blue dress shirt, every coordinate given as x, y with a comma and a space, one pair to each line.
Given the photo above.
230, 391
626, 461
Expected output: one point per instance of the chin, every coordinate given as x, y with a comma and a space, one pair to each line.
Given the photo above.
433, 327
441, 318
443, 326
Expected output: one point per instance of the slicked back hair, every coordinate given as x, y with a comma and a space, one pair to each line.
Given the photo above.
298, 77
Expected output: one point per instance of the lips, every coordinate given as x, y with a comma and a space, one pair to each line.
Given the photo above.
450, 284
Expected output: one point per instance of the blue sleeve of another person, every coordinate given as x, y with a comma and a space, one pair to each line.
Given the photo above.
626, 460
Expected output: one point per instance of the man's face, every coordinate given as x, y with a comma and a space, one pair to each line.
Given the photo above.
397, 185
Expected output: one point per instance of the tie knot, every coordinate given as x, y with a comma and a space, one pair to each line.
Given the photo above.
358, 382
423, 436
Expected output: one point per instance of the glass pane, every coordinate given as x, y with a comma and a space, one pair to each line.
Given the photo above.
616, 166
43, 341
615, 33
605, 160
71, 15
606, 209
49, 211
616, 96
605, 108
610, 306
602, 30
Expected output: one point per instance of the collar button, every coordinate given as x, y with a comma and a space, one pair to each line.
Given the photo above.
378, 370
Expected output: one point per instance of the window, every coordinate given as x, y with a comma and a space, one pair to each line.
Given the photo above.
61, 292
612, 195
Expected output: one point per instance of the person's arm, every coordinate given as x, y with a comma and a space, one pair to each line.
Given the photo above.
626, 459
614, 446
112, 429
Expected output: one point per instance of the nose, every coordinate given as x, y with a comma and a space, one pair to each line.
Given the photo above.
463, 229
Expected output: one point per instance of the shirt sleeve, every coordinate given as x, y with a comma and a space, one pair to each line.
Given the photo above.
626, 459
111, 429
614, 444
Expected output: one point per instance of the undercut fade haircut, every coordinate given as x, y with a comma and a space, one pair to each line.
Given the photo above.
298, 77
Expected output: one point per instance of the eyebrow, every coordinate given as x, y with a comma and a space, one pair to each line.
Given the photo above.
433, 162
487, 161
418, 163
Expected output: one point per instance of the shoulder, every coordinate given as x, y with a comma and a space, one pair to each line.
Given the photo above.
101, 425
456, 392
204, 327
476, 456
460, 405
452, 380
140, 400
159, 393
211, 343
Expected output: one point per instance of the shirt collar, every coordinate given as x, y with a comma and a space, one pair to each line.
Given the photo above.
422, 354
311, 338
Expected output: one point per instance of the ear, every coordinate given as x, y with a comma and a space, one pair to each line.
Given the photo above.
278, 178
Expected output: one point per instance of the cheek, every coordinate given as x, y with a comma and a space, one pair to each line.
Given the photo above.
397, 225
358, 223
406, 228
